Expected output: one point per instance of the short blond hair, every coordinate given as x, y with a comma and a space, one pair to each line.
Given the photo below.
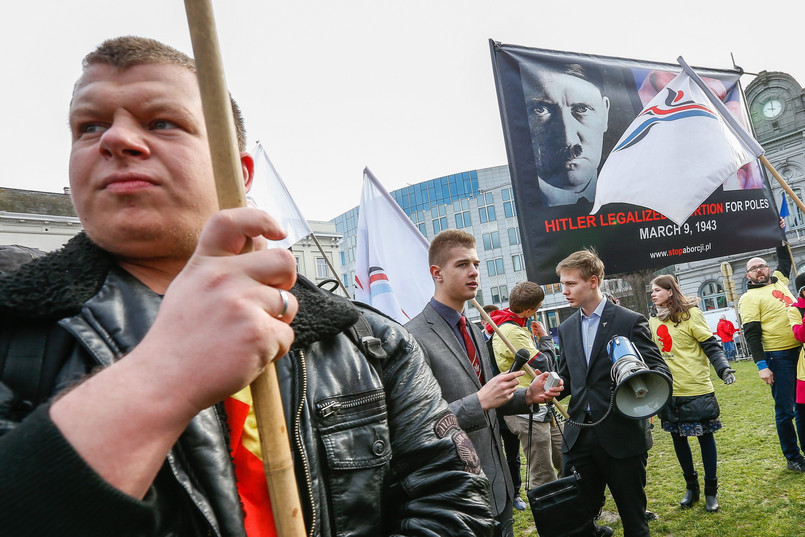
586, 262
445, 241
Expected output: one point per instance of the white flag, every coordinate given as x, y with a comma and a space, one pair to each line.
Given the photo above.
676, 152
392, 272
268, 192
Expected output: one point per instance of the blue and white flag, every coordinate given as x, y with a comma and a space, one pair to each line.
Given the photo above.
676, 152
784, 211
268, 192
392, 272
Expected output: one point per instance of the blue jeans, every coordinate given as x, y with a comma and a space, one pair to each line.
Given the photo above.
783, 365
729, 349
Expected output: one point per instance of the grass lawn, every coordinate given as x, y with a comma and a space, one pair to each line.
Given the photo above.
758, 496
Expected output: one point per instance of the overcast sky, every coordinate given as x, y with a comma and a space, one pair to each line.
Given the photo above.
330, 87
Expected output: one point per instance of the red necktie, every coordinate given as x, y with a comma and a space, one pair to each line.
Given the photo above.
471, 353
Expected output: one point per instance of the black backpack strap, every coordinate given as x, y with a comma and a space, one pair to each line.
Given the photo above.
31, 356
362, 336
22, 372
24, 362
361, 332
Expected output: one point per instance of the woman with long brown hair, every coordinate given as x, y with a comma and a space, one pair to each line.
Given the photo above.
688, 346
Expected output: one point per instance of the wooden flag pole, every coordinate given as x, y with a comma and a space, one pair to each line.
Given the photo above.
782, 182
793, 196
528, 369
276, 450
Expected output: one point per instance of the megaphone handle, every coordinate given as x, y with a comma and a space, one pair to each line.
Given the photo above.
561, 410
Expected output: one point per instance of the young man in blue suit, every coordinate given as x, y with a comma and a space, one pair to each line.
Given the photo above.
613, 453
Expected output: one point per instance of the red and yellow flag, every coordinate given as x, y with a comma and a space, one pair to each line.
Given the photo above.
245, 444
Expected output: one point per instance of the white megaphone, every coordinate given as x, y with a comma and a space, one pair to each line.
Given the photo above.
639, 391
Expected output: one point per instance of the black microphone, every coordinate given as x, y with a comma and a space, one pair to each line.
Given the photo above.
521, 358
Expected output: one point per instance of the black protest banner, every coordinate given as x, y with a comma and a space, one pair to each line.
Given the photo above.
562, 114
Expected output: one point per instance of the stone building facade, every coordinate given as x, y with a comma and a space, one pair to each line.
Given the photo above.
46, 221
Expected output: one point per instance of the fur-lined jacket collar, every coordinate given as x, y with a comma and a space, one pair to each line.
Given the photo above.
56, 285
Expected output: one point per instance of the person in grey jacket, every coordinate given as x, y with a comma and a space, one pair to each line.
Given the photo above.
474, 394
120, 354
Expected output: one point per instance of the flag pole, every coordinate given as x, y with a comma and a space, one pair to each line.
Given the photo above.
739, 131
274, 442
528, 369
794, 197
332, 268
782, 182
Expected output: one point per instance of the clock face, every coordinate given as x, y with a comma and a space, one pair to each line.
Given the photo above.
772, 108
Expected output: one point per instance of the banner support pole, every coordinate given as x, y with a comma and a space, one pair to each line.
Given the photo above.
528, 369
793, 196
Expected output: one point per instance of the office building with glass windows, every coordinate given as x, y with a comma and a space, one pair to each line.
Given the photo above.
480, 202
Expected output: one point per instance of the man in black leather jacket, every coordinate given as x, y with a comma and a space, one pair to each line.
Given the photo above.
143, 325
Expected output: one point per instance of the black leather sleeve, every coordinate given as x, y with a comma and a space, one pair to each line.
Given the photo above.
548, 350
715, 353
562, 369
542, 362
437, 487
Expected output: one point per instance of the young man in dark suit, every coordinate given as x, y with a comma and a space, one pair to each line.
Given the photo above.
460, 362
613, 453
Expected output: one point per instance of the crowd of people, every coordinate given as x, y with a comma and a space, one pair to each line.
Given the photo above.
125, 360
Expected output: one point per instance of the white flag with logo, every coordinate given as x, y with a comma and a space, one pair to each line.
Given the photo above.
268, 192
676, 152
392, 272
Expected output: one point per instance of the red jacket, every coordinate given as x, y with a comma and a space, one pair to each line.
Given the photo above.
725, 329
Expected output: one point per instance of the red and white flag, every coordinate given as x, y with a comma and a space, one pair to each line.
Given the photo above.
677, 151
392, 272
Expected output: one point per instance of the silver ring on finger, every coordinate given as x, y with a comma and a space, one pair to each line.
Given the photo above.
284, 297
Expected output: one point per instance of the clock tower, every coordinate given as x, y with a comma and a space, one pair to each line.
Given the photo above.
777, 106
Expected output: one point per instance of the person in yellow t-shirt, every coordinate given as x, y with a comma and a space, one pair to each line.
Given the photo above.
687, 345
539, 435
764, 314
